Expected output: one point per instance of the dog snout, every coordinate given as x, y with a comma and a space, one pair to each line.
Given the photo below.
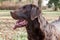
13, 14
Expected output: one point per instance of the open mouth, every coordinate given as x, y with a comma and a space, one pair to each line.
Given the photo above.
20, 23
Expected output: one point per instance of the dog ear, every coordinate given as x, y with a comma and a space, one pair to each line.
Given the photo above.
35, 12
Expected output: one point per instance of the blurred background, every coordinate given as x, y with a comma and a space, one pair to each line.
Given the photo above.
50, 10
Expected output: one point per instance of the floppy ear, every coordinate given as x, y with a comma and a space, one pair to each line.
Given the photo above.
35, 12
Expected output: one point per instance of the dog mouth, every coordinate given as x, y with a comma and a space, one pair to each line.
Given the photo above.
20, 23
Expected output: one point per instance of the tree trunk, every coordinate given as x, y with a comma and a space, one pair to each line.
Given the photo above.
35, 2
55, 9
39, 3
56, 6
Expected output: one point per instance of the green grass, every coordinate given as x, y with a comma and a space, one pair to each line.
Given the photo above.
52, 13
20, 36
4, 13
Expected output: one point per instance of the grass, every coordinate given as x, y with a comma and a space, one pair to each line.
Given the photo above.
52, 13
4, 13
6, 23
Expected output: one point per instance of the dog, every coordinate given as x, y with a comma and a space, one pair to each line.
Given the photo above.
37, 27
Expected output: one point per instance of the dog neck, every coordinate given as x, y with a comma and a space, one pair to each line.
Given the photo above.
42, 22
43, 26
34, 31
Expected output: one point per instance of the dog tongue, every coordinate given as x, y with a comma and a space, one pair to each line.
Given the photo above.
20, 23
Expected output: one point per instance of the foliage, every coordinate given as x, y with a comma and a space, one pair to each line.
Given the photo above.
2, 0
53, 1
56, 4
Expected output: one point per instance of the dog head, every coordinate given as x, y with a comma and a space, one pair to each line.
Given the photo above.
24, 14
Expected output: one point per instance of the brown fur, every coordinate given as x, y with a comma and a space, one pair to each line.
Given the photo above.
37, 28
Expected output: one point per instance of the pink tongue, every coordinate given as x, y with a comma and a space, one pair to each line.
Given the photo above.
22, 23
